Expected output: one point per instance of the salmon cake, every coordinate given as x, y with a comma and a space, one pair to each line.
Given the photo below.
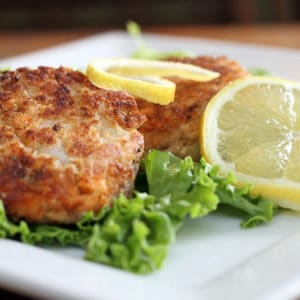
175, 127
66, 146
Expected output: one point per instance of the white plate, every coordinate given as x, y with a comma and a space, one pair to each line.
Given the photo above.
212, 258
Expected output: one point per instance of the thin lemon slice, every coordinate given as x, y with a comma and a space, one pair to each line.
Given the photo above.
142, 78
252, 127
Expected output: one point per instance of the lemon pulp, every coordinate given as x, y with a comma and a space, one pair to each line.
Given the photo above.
252, 127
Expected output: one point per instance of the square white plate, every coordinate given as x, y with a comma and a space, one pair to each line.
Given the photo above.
212, 258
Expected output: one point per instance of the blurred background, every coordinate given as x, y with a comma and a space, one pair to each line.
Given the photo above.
65, 14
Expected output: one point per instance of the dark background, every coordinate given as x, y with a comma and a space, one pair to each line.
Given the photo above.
64, 14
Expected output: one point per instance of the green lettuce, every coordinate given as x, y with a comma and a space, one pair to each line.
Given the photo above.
144, 51
47, 235
255, 208
181, 187
135, 234
4, 69
259, 72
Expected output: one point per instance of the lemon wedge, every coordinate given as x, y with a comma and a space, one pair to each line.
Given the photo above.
142, 78
252, 127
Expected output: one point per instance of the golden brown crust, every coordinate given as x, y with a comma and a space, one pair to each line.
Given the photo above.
66, 146
175, 127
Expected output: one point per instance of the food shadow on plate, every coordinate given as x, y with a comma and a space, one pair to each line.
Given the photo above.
70, 251
212, 224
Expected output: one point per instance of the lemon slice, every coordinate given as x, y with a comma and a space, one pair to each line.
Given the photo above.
252, 127
142, 78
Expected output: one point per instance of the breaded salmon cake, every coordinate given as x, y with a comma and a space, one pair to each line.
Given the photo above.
66, 146
175, 127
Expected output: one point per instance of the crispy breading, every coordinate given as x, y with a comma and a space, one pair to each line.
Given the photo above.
175, 127
66, 146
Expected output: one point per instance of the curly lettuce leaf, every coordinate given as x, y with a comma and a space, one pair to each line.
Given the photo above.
181, 187
47, 235
256, 209
135, 234
4, 69
259, 72
132, 237
144, 51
